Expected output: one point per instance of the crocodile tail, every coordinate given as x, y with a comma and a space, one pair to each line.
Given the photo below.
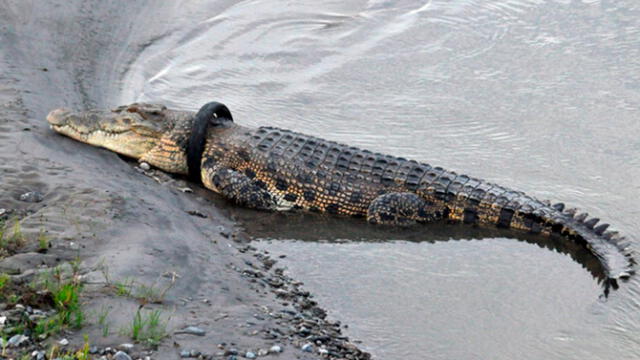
474, 201
611, 249
495, 205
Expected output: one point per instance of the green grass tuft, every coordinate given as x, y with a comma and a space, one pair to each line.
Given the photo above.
102, 321
4, 281
148, 328
43, 241
65, 293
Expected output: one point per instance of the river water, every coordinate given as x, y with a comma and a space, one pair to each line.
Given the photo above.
538, 95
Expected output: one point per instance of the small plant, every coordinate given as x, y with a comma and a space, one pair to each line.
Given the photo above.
11, 239
65, 293
104, 269
148, 328
6, 293
17, 238
146, 294
149, 294
75, 265
43, 241
4, 281
124, 288
137, 326
102, 321
67, 301
4, 342
152, 294
3, 229
83, 353
13, 299
53, 351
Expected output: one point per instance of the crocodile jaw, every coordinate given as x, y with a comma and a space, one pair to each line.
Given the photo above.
125, 133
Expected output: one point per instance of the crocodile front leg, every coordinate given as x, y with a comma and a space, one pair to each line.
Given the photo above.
399, 209
238, 188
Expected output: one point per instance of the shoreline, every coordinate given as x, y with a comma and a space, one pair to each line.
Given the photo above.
262, 309
125, 228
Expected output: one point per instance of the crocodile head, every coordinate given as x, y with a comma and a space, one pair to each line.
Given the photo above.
146, 132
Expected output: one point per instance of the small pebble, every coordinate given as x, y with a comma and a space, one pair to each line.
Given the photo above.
38, 355
224, 231
232, 357
275, 349
145, 166
192, 330
125, 347
63, 342
185, 353
32, 197
3, 211
263, 352
250, 355
308, 347
93, 350
197, 213
121, 355
17, 340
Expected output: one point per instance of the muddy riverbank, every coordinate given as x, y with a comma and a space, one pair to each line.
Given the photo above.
144, 246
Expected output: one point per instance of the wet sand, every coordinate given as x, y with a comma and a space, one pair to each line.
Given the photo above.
120, 222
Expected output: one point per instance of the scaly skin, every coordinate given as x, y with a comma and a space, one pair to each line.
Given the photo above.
275, 169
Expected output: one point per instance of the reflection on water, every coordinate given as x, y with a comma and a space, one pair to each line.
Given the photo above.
476, 299
539, 95
428, 289
328, 229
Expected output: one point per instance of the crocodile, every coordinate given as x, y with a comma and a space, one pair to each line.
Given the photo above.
269, 168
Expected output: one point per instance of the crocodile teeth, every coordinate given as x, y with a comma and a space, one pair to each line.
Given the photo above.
591, 223
581, 217
559, 206
621, 241
601, 228
610, 234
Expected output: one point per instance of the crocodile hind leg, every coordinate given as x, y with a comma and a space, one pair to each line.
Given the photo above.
239, 188
399, 209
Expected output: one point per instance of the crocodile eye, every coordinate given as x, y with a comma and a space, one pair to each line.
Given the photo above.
126, 120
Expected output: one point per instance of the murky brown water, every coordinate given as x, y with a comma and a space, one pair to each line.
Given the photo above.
541, 96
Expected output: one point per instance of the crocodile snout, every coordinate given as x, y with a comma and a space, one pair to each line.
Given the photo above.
58, 116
